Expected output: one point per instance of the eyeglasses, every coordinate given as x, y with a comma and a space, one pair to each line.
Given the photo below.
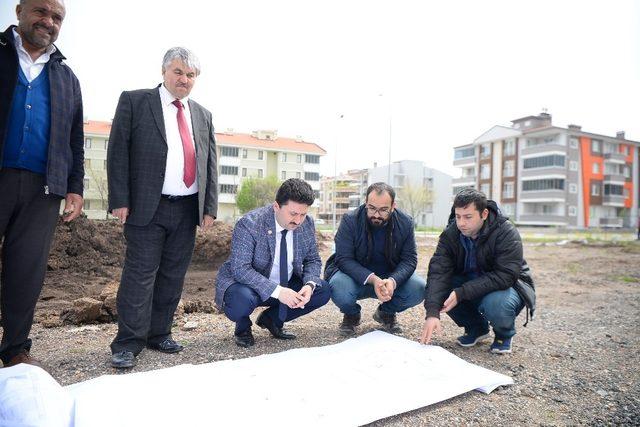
372, 210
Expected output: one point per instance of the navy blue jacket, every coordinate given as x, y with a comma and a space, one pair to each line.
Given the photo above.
65, 160
353, 247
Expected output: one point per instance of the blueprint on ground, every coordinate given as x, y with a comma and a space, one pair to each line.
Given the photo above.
355, 382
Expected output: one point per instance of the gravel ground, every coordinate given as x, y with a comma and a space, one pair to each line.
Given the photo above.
575, 364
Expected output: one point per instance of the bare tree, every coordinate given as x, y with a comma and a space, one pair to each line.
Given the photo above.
99, 183
414, 199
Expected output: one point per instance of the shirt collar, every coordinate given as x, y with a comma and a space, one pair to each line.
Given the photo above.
278, 227
17, 40
167, 98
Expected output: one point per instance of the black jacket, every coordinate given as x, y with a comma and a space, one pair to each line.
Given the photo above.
499, 256
65, 161
353, 243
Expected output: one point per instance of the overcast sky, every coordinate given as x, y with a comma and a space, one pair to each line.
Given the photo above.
441, 73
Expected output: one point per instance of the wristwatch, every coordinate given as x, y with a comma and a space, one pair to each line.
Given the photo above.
312, 284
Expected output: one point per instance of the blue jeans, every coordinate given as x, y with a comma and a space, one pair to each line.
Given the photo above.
345, 293
498, 308
240, 301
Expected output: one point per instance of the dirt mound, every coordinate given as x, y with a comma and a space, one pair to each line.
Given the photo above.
86, 246
212, 245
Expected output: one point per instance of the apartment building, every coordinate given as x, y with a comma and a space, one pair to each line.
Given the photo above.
263, 154
260, 154
96, 192
541, 174
421, 191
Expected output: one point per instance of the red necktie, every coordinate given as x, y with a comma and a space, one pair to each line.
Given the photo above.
187, 146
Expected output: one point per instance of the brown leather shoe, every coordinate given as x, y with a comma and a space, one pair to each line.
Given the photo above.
23, 357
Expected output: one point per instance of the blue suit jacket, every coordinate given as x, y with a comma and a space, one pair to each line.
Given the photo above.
252, 251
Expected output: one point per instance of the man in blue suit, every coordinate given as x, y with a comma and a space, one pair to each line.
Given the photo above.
275, 263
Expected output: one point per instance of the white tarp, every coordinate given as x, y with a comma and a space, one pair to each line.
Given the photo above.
355, 382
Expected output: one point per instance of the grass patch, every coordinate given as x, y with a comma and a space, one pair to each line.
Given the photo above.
628, 279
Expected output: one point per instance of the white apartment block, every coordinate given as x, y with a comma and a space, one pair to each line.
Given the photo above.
260, 154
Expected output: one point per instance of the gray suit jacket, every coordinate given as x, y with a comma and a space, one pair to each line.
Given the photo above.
137, 156
252, 250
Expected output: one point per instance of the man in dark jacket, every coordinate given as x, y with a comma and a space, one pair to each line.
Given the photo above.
478, 275
375, 258
41, 162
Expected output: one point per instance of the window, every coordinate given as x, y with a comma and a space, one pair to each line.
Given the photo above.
609, 148
509, 168
244, 153
464, 153
625, 150
284, 175
595, 189
87, 143
507, 209
485, 151
573, 188
613, 190
311, 158
311, 176
485, 171
573, 142
229, 170
298, 175
229, 151
534, 142
260, 155
104, 165
284, 157
228, 188
596, 168
595, 146
86, 183
510, 147
573, 211
626, 171
299, 158
87, 204
543, 184
507, 190
573, 165
543, 162
244, 172
485, 189
260, 173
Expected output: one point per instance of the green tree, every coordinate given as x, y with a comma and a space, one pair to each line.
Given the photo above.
255, 192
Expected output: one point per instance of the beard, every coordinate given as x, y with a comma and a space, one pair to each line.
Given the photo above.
377, 222
37, 39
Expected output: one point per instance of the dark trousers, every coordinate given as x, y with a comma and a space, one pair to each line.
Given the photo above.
498, 308
240, 301
28, 220
157, 258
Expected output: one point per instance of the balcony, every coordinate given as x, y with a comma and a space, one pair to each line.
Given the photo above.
465, 161
543, 196
614, 178
465, 180
541, 219
613, 200
615, 158
613, 222
542, 149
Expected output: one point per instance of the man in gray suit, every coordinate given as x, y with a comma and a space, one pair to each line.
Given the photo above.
274, 262
161, 167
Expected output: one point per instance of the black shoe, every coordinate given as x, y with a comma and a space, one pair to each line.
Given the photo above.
167, 346
265, 322
123, 359
348, 325
388, 321
244, 339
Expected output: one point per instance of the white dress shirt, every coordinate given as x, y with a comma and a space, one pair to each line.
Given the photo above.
31, 68
174, 170
275, 270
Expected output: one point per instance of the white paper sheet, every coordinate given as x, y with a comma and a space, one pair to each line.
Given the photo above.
337, 385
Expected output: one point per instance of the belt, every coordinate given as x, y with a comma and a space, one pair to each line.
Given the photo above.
177, 198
